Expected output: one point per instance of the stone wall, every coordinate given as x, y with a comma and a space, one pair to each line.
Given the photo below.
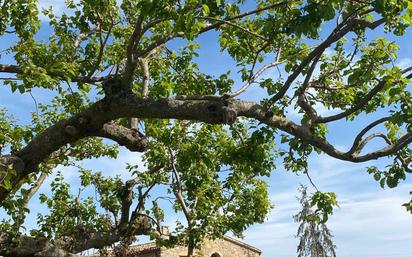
225, 247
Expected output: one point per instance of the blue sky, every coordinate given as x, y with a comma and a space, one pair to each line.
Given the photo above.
369, 222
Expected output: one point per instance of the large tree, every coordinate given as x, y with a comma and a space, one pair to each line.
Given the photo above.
112, 65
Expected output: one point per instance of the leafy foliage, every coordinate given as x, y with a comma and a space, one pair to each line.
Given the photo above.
217, 176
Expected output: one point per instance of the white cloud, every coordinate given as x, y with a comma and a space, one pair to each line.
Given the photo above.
376, 224
113, 167
404, 63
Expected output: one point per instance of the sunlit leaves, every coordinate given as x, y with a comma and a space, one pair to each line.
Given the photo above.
392, 9
20, 15
220, 172
68, 213
12, 135
395, 172
324, 203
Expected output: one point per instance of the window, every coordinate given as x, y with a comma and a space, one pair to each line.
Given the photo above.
216, 255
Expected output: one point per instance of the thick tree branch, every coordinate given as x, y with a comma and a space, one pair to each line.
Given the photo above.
361, 103
42, 247
130, 52
29, 246
127, 198
130, 138
215, 111
364, 142
258, 112
302, 101
359, 137
95, 240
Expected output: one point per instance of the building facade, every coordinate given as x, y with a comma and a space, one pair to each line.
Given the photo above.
224, 247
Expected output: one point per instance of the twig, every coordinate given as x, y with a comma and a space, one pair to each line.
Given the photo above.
253, 79
234, 25
310, 179
35, 103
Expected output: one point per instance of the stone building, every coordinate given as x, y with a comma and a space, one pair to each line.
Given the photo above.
225, 247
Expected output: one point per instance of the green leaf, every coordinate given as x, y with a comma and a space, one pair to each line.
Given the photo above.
377, 176
206, 10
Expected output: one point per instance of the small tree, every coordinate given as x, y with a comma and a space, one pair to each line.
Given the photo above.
214, 180
315, 239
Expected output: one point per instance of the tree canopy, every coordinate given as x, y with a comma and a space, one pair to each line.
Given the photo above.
126, 73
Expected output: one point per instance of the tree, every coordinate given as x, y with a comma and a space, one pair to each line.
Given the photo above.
110, 66
315, 239
212, 200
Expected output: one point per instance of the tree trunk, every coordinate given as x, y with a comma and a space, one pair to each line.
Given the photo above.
191, 242
190, 247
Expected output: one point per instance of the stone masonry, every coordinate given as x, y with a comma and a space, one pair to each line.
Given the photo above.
225, 247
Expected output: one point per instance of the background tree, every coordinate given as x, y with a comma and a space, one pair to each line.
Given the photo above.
315, 239
114, 73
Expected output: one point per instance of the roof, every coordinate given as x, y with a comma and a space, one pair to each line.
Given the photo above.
241, 243
143, 248
136, 250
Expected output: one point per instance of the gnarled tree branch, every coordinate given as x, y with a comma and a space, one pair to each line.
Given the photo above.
132, 139
214, 110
